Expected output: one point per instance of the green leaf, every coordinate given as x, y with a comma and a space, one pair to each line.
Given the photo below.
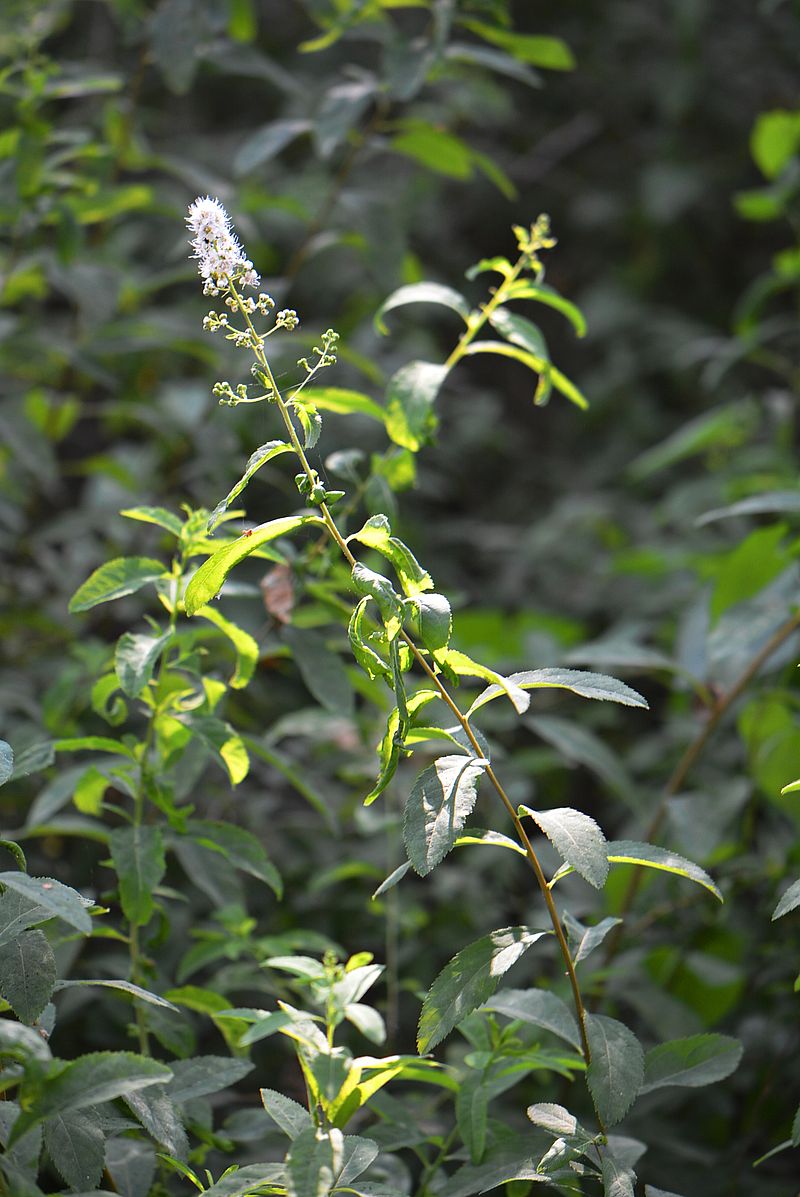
255, 461
291, 1117
160, 1118
225, 746
434, 148
722, 428
22, 1043
344, 402
441, 799
208, 580
464, 666
313, 1163
377, 534
203, 1075
472, 1108
342, 106
76, 1145
775, 140
579, 746
247, 650
542, 293
548, 372
321, 669
155, 515
135, 659
618, 1181
128, 987
411, 393
95, 1077
587, 685
616, 1070
89, 791
796, 1129
493, 60
6, 762
651, 857
577, 838
373, 665
137, 854
519, 331
555, 1119
691, 1062
375, 586
469, 980
433, 621
586, 939
27, 974
790, 900
422, 293
33, 759
92, 744
17, 913
749, 567
131, 1164
123, 575
551, 53
240, 848
246, 1181
770, 503
266, 143
541, 1008
60, 901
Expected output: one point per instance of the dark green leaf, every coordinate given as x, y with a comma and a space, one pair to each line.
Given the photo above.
777, 502
135, 659
203, 1075
131, 1165
160, 1118
618, 1181
58, 900
255, 461
341, 108
616, 1070
321, 669
366, 656
123, 575
27, 974
433, 621
469, 980
539, 1007
17, 913
692, 1062
240, 847
313, 1163
137, 854
421, 293
244, 1182
128, 987
266, 143
630, 852
587, 685
291, 1117
33, 759
441, 799
472, 1106
76, 1145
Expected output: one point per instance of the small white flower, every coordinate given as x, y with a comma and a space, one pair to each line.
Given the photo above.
220, 256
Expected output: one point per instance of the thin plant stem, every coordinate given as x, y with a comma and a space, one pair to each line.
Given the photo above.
690, 756
472, 328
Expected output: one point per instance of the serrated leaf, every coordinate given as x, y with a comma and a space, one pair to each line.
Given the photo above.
76, 1145
131, 1164
441, 799
209, 578
27, 974
555, 1119
421, 293
469, 980
137, 854
6, 762
539, 1007
691, 1062
160, 1118
313, 1163
577, 838
587, 685
244, 1182
411, 393
17, 913
135, 659
790, 900
123, 575
255, 461
289, 1115
93, 1078
464, 666
652, 857
202, 1075
616, 1071
60, 901
618, 1181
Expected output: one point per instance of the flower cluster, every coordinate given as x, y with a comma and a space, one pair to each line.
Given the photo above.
218, 251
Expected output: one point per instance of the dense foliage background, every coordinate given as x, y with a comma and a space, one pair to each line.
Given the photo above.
663, 140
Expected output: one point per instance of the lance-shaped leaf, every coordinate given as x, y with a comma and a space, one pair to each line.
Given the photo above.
245, 646
651, 857
616, 1070
587, 685
59, 901
250, 1179
240, 847
584, 940
344, 402
469, 980
155, 515
422, 293
555, 1119
790, 900
207, 581
441, 799
202, 1075
412, 391
126, 987
539, 1007
255, 461
27, 974
390, 749
137, 854
618, 1180
542, 293
123, 575
225, 746
464, 666
135, 659
291, 1117
377, 534
692, 1062
537, 364
577, 838
76, 1145
314, 1161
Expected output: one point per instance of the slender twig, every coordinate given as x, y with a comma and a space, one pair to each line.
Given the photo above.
690, 755
472, 328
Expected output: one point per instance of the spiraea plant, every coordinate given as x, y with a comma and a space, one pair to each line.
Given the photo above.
141, 1122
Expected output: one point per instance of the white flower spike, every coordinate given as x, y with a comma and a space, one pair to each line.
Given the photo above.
220, 256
